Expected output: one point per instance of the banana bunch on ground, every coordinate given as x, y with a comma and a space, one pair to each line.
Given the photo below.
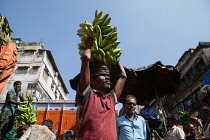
104, 49
26, 113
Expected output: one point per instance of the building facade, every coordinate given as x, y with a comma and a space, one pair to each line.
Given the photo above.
193, 65
37, 71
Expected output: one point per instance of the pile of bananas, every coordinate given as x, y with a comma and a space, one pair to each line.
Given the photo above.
104, 49
26, 113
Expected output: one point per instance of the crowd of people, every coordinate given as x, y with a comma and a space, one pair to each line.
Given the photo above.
97, 116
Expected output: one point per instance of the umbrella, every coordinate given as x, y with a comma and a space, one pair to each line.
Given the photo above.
148, 82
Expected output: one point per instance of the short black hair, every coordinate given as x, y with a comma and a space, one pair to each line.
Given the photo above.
127, 97
48, 123
16, 83
171, 117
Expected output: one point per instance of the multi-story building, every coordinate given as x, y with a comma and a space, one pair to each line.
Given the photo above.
37, 71
193, 65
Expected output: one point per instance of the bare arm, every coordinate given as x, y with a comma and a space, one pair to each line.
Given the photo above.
85, 70
10, 96
121, 81
157, 135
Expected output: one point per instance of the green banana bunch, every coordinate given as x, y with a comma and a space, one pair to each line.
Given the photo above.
26, 113
105, 45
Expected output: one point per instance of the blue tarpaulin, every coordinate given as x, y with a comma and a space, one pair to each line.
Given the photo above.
207, 78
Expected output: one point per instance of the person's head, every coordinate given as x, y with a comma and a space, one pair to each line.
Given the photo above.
204, 113
191, 130
146, 102
171, 121
17, 85
100, 77
129, 104
48, 123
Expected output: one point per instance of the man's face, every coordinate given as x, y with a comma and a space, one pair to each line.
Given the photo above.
204, 115
191, 130
101, 82
130, 106
17, 87
170, 122
146, 102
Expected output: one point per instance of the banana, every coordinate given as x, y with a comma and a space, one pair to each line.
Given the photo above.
101, 52
108, 47
87, 31
95, 46
116, 51
103, 43
105, 27
85, 24
82, 34
97, 58
81, 30
97, 18
118, 54
107, 58
81, 45
106, 31
103, 19
92, 34
106, 22
114, 29
112, 41
98, 35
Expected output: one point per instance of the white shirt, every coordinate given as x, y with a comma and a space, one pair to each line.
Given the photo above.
206, 132
175, 133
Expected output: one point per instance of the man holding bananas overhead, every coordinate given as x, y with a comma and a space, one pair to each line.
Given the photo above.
99, 118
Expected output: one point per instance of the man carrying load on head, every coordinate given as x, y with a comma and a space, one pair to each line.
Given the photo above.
98, 114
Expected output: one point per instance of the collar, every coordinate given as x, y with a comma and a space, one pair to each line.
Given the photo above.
135, 116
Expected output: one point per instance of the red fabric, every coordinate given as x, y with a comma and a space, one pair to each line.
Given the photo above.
99, 120
8, 60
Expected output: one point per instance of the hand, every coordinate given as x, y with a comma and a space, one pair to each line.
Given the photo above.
89, 43
155, 132
151, 118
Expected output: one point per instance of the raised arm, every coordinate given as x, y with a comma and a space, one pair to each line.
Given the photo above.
85, 70
121, 81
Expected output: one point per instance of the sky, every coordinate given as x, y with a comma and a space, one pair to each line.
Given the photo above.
149, 30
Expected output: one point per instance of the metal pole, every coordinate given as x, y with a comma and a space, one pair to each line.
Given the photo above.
160, 107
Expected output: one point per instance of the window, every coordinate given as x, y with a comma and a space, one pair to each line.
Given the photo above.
32, 86
35, 69
21, 70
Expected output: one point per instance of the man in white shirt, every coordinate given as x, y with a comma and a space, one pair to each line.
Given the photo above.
174, 132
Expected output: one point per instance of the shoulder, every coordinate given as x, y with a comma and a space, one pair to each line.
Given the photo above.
11, 91
121, 118
140, 118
